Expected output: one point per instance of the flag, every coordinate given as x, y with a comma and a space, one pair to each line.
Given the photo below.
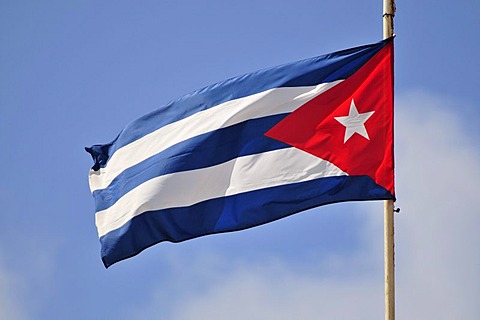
249, 150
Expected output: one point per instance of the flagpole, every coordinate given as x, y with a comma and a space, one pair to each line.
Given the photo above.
389, 244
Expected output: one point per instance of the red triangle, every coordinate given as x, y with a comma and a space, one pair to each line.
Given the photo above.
313, 128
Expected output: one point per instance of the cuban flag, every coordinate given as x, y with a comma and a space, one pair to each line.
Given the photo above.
249, 150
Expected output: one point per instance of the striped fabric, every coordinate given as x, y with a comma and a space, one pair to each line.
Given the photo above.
203, 163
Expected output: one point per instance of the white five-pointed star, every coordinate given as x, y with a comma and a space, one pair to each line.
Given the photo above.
354, 122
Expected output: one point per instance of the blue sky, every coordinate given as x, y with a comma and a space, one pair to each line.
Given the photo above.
73, 73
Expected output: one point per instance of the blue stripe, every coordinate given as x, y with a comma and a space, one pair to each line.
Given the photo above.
206, 150
233, 213
308, 72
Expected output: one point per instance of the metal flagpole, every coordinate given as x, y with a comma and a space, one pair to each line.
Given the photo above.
389, 244
389, 256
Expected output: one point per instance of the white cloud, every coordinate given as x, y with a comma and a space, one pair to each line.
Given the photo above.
438, 179
26, 279
10, 285
263, 294
439, 183
270, 289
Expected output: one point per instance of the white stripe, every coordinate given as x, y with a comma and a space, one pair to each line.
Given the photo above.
270, 102
253, 172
